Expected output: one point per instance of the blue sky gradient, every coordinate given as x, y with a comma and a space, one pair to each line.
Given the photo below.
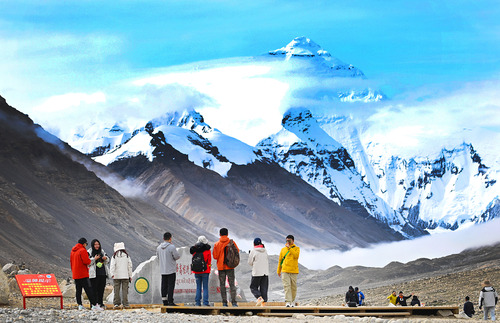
62, 46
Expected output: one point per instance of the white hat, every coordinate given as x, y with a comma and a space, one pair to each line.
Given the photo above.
202, 239
119, 246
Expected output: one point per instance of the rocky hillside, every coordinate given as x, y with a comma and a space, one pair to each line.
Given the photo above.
440, 281
48, 199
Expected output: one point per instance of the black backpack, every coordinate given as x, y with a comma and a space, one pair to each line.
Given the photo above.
231, 255
198, 263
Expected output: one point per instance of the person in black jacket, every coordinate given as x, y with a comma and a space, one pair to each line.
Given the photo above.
401, 300
351, 297
415, 301
468, 307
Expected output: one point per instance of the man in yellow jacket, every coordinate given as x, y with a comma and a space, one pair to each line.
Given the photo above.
288, 269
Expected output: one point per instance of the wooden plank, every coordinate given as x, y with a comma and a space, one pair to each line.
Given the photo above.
339, 313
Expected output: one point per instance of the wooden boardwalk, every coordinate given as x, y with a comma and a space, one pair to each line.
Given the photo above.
282, 311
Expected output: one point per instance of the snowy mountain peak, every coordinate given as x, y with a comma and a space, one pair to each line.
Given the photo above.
303, 47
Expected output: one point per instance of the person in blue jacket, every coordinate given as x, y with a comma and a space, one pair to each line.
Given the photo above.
361, 296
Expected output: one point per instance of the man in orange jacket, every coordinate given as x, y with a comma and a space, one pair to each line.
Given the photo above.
223, 269
80, 261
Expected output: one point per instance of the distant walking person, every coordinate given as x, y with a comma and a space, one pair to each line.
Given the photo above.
98, 270
351, 297
401, 299
288, 269
488, 298
201, 265
225, 270
121, 272
167, 256
259, 261
392, 298
468, 307
79, 260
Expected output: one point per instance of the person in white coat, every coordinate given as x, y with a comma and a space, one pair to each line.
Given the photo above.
121, 272
488, 298
259, 261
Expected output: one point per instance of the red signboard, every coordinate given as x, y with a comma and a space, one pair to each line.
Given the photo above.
39, 285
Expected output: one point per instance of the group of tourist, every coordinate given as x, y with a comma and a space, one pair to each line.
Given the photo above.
288, 269
488, 298
90, 270
91, 267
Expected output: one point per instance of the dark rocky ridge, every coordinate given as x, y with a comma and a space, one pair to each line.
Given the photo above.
48, 201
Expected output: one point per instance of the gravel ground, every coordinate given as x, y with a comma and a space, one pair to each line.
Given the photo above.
9, 315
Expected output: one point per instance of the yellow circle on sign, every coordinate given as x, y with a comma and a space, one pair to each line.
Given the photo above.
141, 285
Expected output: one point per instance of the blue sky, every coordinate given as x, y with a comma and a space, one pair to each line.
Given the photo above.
55, 47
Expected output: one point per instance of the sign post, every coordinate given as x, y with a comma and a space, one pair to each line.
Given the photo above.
39, 285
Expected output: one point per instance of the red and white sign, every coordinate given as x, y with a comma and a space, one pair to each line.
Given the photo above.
39, 285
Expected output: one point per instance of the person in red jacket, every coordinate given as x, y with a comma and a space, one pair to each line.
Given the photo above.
223, 269
201, 249
80, 261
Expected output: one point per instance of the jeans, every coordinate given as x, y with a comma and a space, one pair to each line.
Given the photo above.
85, 284
259, 286
222, 282
167, 288
489, 311
201, 281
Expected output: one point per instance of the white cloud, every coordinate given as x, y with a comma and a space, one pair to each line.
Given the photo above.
434, 246
65, 102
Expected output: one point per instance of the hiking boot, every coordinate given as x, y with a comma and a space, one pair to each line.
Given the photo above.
260, 300
80, 307
234, 304
224, 304
172, 304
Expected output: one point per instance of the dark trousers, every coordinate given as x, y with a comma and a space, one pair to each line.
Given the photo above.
222, 282
85, 284
167, 289
259, 286
98, 285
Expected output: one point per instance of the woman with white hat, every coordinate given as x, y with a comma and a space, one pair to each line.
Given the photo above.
121, 272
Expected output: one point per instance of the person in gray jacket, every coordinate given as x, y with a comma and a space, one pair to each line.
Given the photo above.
167, 256
259, 261
488, 298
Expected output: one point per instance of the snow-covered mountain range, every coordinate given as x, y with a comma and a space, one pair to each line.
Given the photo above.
444, 186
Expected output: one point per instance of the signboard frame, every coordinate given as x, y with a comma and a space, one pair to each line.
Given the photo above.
46, 282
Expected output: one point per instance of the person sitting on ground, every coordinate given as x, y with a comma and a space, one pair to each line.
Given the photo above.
392, 298
468, 307
361, 296
415, 301
401, 299
351, 297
